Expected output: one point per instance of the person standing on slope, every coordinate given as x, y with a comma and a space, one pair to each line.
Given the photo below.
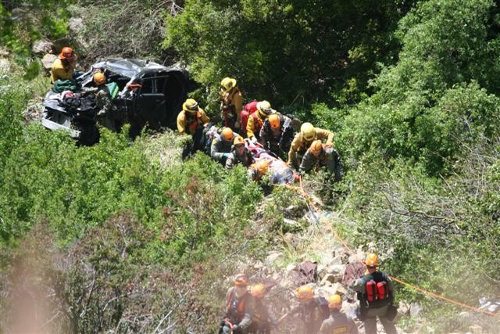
338, 322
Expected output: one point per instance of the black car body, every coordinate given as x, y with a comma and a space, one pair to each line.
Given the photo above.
150, 95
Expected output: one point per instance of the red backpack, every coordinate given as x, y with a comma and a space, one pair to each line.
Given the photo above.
376, 291
247, 110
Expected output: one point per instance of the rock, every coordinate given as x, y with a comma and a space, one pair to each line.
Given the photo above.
329, 278
48, 60
273, 257
3, 52
42, 46
4, 65
75, 25
404, 308
415, 309
476, 329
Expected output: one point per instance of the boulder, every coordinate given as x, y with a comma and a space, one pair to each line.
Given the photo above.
42, 46
75, 25
272, 257
4, 65
48, 60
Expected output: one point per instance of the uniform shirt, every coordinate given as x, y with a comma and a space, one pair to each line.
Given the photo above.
325, 158
300, 144
189, 122
255, 122
235, 99
338, 323
220, 147
239, 311
277, 139
377, 276
59, 72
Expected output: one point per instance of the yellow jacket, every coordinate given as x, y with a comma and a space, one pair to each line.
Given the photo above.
300, 144
254, 124
189, 124
234, 98
58, 71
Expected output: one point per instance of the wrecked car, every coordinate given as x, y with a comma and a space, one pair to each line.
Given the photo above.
149, 95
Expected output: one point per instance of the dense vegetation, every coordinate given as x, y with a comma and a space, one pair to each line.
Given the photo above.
410, 88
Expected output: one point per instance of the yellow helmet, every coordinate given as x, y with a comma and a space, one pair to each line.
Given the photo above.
335, 302
308, 131
190, 106
238, 140
305, 293
241, 280
371, 260
261, 166
227, 134
274, 121
258, 290
228, 83
316, 147
99, 78
264, 108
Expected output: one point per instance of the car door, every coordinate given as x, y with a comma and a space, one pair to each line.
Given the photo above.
151, 102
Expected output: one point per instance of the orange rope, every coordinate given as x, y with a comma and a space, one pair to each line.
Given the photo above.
423, 291
435, 295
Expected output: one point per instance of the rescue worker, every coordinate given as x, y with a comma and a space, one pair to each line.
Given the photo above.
222, 144
231, 103
239, 313
276, 134
311, 311
239, 154
376, 297
256, 119
262, 321
191, 120
338, 322
63, 67
104, 102
320, 155
303, 140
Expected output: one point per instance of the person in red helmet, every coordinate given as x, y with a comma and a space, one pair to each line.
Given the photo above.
63, 67
375, 292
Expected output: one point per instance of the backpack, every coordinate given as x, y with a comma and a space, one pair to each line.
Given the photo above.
376, 292
247, 110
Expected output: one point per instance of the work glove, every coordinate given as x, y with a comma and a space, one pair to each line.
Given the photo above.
228, 155
253, 140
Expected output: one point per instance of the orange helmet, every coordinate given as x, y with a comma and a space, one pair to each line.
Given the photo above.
261, 166
227, 134
335, 302
99, 78
241, 280
258, 290
316, 147
190, 106
238, 140
274, 121
305, 293
66, 53
371, 260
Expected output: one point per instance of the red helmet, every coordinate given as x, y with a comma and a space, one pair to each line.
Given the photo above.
67, 53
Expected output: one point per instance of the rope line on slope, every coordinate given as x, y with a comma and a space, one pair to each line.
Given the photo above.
425, 292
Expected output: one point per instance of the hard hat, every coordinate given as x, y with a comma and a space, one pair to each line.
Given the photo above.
264, 108
241, 280
308, 131
335, 302
258, 290
371, 260
274, 121
99, 78
227, 134
228, 83
305, 293
238, 140
66, 53
316, 147
190, 105
262, 166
